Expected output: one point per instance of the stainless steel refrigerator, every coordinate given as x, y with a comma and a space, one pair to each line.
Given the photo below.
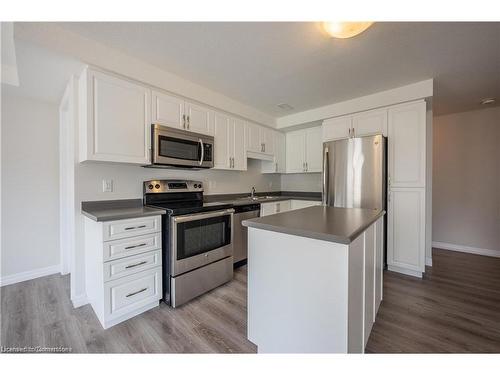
354, 172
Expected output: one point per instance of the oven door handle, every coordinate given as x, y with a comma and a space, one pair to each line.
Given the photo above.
184, 218
202, 152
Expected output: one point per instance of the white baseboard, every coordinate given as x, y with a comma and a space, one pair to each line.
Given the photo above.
428, 261
29, 275
405, 271
79, 300
466, 249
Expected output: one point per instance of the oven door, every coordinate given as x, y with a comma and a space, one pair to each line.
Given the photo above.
180, 148
200, 239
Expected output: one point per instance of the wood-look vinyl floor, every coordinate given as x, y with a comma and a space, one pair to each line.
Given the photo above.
455, 308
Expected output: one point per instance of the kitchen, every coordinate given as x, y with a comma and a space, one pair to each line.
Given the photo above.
159, 185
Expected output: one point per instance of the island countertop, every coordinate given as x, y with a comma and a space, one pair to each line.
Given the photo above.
334, 224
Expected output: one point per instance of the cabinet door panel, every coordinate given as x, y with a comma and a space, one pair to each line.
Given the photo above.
370, 123
120, 120
267, 138
222, 137
167, 110
239, 145
336, 128
198, 119
406, 229
295, 152
314, 150
406, 145
253, 137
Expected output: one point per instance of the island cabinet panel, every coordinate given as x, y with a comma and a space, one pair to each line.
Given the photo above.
307, 295
369, 282
379, 264
356, 306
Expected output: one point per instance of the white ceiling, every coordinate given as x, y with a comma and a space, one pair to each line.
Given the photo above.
42, 73
264, 64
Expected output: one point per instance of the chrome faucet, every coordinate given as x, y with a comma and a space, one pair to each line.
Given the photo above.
252, 192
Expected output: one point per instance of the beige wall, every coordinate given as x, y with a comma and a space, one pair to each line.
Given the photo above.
466, 179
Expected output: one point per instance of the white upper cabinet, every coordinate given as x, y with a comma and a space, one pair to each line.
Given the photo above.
314, 150
115, 119
239, 147
168, 110
406, 145
304, 151
259, 141
229, 134
198, 118
356, 125
277, 165
337, 128
222, 154
295, 152
370, 123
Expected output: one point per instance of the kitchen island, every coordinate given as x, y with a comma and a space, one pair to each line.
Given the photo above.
314, 279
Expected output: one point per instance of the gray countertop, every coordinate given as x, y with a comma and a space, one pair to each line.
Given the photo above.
334, 224
243, 199
118, 209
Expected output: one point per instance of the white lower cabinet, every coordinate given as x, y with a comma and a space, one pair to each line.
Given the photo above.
406, 231
123, 267
272, 208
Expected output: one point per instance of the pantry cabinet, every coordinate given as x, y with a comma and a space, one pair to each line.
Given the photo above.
304, 151
229, 134
406, 230
406, 146
115, 119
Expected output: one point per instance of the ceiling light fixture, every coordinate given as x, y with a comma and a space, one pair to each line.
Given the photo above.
488, 101
345, 30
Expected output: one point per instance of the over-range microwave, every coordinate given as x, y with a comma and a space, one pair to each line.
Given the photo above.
172, 147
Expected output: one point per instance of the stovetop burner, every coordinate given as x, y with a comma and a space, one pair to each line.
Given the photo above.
179, 197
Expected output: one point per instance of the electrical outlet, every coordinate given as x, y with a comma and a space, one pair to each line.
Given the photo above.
107, 186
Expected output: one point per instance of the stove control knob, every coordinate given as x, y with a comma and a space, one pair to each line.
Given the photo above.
157, 186
196, 185
199, 186
150, 187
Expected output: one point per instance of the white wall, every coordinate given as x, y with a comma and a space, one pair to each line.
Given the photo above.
466, 179
30, 187
301, 182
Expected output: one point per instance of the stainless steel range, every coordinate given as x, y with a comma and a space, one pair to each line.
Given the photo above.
197, 239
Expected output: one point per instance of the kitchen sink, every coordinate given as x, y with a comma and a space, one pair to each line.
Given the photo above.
258, 198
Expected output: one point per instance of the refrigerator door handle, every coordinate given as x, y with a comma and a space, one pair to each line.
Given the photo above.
326, 168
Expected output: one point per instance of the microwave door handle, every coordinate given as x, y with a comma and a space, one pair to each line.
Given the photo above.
202, 152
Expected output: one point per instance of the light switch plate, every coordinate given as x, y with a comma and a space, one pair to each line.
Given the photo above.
107, 186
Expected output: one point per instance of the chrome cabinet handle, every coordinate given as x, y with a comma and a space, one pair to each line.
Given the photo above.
188, 121
307, 167
134, 246
264, 147
184, 121
353, 132
138, 227
134, 293
137, 264
276, 167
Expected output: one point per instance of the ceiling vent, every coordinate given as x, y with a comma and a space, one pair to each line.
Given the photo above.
285, 107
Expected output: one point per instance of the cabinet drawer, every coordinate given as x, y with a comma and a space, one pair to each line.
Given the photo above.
131, 265
131, 246
132, 227
130, 293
